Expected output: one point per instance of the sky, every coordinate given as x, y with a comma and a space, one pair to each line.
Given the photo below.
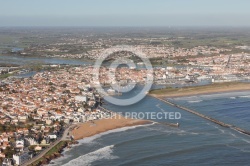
125, 13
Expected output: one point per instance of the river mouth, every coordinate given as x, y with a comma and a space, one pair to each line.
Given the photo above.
196, 139
23, 60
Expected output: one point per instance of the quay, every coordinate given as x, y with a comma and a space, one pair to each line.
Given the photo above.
204, 116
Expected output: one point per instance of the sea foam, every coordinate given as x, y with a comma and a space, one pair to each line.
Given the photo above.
91, 140
87, 159
245, 96
195, 101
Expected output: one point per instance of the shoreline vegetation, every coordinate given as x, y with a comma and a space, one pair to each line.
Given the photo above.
53, 153
200, 90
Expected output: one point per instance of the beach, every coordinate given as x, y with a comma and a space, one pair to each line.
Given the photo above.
158, 143
94, 127
201, 90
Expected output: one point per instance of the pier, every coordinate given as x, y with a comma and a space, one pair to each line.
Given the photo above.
204, 116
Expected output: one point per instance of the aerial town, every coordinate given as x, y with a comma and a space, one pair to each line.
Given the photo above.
124, 83
35, 111
39, 101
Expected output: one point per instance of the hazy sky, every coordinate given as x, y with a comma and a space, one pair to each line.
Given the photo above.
124, 13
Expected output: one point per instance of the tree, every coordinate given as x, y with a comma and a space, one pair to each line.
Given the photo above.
9, 152
62, 123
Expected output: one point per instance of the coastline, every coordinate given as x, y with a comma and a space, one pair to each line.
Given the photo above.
84, 130
92, 128
218, 122
201, 90
95, 127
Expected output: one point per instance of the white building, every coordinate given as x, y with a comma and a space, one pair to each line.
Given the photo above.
20, 144
20, 158
81, 98
31, 141
7, 162
52, 136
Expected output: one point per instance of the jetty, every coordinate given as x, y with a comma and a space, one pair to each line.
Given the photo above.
204, 116
170, 124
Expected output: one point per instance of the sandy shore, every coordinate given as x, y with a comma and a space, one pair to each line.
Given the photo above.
98, 126
201, 90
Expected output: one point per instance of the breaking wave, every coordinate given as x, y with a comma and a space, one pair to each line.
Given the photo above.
88, 159
195, 101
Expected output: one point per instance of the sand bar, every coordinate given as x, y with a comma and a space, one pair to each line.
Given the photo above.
200, 90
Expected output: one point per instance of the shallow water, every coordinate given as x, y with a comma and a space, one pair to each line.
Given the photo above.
196, 142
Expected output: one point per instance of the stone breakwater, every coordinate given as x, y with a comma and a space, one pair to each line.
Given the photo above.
204, 116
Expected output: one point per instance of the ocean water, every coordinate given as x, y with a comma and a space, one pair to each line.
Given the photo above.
196, 142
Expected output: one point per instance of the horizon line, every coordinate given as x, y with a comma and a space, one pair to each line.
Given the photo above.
124, 26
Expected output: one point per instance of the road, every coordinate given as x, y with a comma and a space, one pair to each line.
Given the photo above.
63, 138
